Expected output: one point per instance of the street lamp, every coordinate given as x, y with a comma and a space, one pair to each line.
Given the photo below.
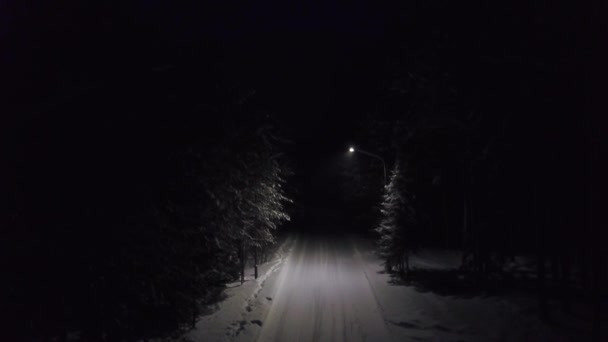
352, 150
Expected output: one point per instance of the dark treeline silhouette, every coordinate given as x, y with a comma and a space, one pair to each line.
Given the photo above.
134, 203
484, 123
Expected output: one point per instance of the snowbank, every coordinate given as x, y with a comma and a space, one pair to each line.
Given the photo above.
413, 314
234, 318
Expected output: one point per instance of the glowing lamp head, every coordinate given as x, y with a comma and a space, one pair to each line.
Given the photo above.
351, 150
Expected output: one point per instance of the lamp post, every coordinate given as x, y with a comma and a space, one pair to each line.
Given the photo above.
353, 150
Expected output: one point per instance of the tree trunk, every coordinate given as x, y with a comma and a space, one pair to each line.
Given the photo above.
255, 261
554, 266
542, 290
242, 262
597, 286
565, 281
465, 229
584, 267
541, 267
596, 303
446, 224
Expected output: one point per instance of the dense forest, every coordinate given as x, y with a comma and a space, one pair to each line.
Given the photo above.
487, 136
130, 224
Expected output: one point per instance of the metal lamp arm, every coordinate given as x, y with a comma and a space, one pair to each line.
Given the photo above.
370, 154
377, 157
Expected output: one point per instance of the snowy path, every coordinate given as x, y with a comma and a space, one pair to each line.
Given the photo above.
323, 294
333, 288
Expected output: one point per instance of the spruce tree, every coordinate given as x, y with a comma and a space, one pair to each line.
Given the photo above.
397, 225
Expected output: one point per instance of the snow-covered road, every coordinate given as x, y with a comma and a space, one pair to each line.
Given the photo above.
322, 294
333, 288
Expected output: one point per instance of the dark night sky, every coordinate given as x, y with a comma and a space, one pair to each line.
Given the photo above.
311, 63
317, 66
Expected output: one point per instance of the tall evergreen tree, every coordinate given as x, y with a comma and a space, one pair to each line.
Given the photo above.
397, 231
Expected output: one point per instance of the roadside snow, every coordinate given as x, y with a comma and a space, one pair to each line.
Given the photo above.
233, 318
415, 315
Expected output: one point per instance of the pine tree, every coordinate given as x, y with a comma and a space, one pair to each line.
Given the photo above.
397, 226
